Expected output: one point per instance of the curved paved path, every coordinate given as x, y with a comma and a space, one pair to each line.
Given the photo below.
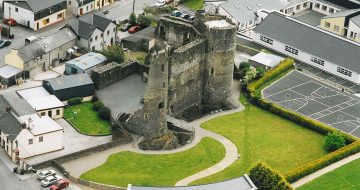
82, 165
325, 170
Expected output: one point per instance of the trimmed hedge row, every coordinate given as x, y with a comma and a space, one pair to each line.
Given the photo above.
266, 178
322, 162
75, 101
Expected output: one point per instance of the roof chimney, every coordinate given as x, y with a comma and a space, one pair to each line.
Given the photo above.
8, 109
23, 126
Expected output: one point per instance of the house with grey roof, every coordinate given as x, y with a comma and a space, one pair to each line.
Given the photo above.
94, 31
35, 14
338, 23
353, 32
310, 45
43, 53
70, 86
80, 7
249, 13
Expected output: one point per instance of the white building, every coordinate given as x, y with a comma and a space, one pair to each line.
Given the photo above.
354, 28
42, 102
311, 45
80, 7
250, 13
85, 63
94, 31
35, 14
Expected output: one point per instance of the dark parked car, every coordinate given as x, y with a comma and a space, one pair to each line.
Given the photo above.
126, 27
185, 16
134, 29
4, 43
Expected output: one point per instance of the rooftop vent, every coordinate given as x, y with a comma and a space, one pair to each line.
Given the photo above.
259, 5
236, 6
249, 8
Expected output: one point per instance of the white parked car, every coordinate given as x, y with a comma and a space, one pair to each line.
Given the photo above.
45, 173
50, 180
160, 3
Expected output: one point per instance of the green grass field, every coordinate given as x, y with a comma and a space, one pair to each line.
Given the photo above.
346, 177
194, 4
86, 120
126, 168
263, 136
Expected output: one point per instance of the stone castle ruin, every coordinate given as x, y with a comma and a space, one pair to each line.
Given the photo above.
190, 73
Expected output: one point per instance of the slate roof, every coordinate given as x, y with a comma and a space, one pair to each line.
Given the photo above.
84, 2
69, 81
10, 125
45, 45
312, 40
19, 106
241, 183
35, 5
356, 20
8, 71
85, 25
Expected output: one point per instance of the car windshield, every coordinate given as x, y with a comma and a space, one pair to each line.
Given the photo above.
44, 172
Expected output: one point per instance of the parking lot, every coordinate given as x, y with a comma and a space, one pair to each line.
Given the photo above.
317, 100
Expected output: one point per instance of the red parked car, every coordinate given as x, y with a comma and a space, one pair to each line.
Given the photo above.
134, 29
61, 184
9, 21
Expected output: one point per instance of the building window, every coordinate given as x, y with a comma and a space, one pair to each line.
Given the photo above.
291, 50
41, 139
317, 61
327, 25
242, 25
250, 22
331, 10
351, 34
297, 7
305, 4
91, 6
212, 72
162, 68
91, 39
96, 38
344, 71
336, 28
93, 48
60, 16
69, 2
317, 5
266, 40
43, 113
30, 141
57, 112
108, 32
102, 34
161, 105
16, 9
114, 29
46, 21
87, 8
146, 116
324, 8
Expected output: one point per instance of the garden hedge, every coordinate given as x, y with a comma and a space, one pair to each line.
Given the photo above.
322, 162
105, 113
97, 105
265, 178
75, 101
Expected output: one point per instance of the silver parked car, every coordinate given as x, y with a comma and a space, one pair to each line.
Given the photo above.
45, 173
50, 180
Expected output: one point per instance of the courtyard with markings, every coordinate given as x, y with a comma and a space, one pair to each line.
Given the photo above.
317, 100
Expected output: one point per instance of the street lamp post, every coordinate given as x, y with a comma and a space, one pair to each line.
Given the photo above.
133, 6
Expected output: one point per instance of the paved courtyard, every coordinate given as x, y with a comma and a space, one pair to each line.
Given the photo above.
317, 100
310, 17
124, 95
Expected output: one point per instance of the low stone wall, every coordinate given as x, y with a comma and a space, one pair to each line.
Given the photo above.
246, 49
109, 74
94, 184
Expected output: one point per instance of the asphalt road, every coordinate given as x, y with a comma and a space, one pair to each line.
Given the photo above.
9, 181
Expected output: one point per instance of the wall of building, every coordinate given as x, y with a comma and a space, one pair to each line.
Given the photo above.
97, 41
54, 18
306, 58
324, 8
22, 16
6, 144
51, 142
335, 25
79, 91
353, 31
54, 113
102, 3
14, 60
74, 8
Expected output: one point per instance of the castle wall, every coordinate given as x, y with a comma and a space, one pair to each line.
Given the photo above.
186, 74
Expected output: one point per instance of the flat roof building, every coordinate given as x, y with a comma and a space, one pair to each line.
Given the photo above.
85, 63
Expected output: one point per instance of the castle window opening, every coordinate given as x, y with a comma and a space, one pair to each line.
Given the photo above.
161, 105
162, 68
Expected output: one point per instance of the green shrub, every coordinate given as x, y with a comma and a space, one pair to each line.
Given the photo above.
94, 99
75, 101
97, 105
265, 178
104, 113
260, 71
322, 162
334, 141
244, 65
133, 18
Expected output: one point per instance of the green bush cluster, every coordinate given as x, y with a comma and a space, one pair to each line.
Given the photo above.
104, 113
75, 101
334, 141
97, 105
265, 178
322, 162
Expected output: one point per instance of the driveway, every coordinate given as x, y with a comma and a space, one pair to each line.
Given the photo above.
72, 141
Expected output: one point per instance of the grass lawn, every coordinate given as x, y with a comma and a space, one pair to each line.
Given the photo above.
263, 136
86, 120
156, 170
194, 4
138, 55
346, 177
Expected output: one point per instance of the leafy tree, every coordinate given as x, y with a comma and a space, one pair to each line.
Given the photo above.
97, 105
250, 75
104, 113
260, 72
133, 18
244, 65
334, 141
265, 178
144, 20
114, 53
